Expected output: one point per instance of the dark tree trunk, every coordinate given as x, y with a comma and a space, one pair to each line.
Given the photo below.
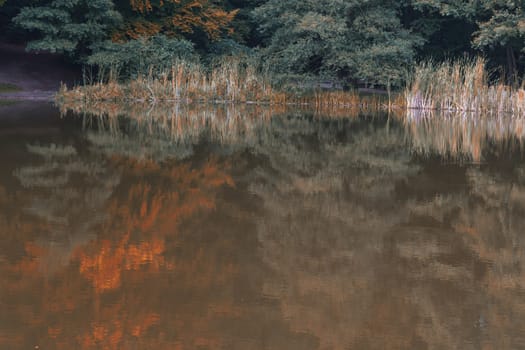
512, 71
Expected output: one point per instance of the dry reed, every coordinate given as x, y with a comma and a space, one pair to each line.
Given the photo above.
229, 82
462, 86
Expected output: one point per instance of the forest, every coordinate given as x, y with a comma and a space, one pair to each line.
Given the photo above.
354, 42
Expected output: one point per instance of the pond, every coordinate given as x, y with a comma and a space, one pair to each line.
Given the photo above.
192, 227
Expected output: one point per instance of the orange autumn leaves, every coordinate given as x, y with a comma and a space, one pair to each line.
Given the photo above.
176, 17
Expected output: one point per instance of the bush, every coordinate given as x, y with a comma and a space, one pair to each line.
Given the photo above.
145, 56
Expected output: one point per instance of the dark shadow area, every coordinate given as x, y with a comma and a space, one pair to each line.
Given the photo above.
35, 76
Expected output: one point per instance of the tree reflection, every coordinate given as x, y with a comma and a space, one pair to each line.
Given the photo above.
292, 232
373, 250
100, 297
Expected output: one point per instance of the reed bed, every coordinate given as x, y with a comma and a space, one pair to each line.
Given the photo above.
464, 136
462, 86
326, 100
229, 82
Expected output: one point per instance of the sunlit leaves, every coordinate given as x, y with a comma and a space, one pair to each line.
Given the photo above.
176, 17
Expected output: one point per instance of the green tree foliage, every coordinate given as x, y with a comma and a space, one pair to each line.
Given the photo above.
503, 28
370, 40
505, 24
344, 38
69, 26
153, 55
244, 25
452, 8
496, 27
8, 10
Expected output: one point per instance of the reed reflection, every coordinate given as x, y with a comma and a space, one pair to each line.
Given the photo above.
463, 135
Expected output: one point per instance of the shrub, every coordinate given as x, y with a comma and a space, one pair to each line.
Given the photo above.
143, 56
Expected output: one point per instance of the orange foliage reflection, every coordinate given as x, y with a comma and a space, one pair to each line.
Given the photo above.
154, 211
109, 295
103, 268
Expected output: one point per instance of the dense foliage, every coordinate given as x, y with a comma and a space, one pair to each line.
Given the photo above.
133, 57
68, 26
173, 17
358, 39
354, 41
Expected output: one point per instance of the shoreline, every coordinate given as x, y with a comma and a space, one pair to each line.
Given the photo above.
34, 76
48, 96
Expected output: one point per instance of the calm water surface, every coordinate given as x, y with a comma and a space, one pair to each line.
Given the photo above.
256, 229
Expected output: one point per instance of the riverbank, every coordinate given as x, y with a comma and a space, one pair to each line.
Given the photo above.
31, 76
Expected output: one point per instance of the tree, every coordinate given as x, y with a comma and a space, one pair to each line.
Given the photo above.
244, 24
496, 27
346, 39
69, 26
152, 55
447, 28
173, 18
504, 28
453, 8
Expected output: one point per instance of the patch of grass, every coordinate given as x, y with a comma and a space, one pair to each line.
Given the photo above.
8, 87
7, 102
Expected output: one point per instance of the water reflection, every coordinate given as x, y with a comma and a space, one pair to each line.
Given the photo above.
289, 231
464, 136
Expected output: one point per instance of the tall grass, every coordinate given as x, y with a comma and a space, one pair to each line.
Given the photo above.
230, 81
462, 85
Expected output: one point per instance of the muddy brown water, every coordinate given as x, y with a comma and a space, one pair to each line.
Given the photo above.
223, 231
